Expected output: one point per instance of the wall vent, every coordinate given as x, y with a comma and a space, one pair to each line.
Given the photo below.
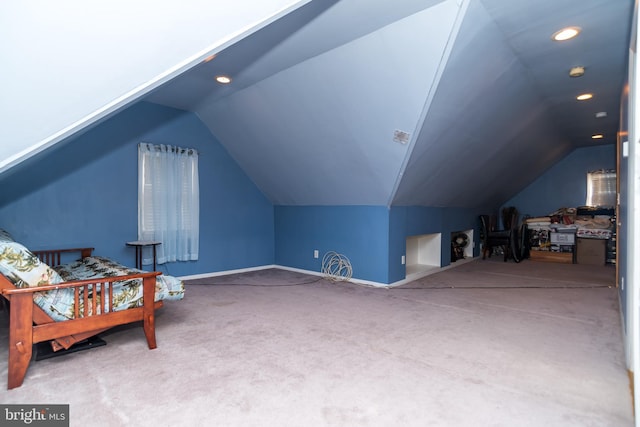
401, 136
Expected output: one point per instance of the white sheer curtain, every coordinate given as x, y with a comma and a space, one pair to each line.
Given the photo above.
168, 201
601, 188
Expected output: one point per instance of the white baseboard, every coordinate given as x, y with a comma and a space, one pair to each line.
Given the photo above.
417, 276
627, 344
281, 267
227, 272
318, 273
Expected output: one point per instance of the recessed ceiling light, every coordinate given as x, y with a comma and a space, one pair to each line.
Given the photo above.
223, 79
601, 114
597, 136
565, 34
584, 96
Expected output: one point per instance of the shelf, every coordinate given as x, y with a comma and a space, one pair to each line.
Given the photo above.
548, 256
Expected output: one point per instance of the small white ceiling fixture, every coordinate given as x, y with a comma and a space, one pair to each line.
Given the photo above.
565, 34
223, 79
576, 71
597, 136
601, 114
584, 96
401, 136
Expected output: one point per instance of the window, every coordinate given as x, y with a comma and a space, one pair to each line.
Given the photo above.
601, 188
168, 201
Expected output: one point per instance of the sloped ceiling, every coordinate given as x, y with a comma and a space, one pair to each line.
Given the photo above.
487, 131
479, 86
334, 121
65, 66
505, 109
312, 120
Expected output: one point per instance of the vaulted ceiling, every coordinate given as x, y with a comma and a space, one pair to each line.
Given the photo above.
457, 103
481, 89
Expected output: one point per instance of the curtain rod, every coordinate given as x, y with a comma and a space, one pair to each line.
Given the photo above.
173, 148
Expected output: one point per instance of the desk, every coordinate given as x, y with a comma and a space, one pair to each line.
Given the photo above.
139, 244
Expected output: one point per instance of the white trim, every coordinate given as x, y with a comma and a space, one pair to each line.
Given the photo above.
320, 274
430, 272
298, 270
227, 272
623, 331
632, 274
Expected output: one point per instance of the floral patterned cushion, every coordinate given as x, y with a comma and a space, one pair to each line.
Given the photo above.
58, 304
126, 293
167, 287
23, 268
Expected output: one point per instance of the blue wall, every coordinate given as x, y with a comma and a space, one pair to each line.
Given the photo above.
358, 232
84, 193
564, 184
90, 198
372, 237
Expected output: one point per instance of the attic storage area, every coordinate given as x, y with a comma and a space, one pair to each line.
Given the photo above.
583, 235
313, 98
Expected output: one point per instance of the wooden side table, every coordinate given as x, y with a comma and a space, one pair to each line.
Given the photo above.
139, 244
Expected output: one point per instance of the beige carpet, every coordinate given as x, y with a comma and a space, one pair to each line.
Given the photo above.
277, 348
494, 272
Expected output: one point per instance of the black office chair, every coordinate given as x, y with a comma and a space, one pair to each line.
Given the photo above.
507, 238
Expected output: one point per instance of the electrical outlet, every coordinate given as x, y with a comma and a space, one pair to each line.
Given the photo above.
403, 260
316, 254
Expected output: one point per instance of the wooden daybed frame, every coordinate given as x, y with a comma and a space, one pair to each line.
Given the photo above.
29, 324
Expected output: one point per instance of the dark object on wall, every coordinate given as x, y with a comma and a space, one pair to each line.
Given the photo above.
507, 238
459, 241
